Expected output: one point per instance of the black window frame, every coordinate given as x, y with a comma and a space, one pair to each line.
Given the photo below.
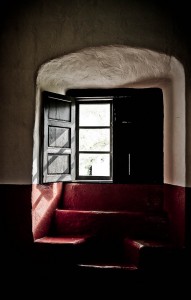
96, 97
97, 101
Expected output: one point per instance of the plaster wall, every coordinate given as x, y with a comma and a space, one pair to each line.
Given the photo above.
121, 66
36, 32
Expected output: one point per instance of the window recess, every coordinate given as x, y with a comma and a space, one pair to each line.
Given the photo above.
115, 138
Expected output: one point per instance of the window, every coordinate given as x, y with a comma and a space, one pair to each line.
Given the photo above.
116, 138
94, 139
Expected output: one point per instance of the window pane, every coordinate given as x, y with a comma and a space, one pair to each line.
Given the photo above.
94, 139
94, 114
94, 165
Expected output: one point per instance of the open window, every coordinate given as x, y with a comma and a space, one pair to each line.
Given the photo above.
94, 139
103, 135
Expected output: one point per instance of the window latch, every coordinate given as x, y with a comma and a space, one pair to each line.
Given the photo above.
129, 160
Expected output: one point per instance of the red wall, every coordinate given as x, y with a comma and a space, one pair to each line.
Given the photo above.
130, 197
45, 200
16, 202
17, 206
174, 204
17, 239
112, 197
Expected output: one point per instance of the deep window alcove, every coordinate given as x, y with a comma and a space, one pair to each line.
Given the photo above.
108, 68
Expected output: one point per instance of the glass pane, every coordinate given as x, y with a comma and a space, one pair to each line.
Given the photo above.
94, 164
94, 139
94, 114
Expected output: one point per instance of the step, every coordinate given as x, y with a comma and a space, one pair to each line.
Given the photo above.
102, 266
112, 197
110, 223
109, 277
103, 250
61, 250
62, 240
85, 251
150, 254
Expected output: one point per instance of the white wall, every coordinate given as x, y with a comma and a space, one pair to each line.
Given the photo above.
121, 66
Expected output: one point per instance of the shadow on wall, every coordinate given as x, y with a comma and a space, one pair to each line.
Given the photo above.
44, 201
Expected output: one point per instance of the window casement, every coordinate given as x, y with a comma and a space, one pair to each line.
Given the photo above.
77, 139
58, 156
94, 139
117, 138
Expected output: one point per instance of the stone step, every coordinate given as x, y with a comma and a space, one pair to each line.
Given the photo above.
105, 266
83, 250
62, 250
110, 224
62, 240
151, 254
112, 197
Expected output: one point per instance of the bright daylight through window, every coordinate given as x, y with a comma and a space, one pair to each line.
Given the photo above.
94, 139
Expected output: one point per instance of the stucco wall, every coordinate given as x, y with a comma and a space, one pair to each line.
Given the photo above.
122, 66
39, 31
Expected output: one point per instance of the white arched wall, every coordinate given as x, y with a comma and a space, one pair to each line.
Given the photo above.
121, 66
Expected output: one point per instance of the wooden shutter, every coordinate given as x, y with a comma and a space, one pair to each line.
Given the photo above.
58, 138
138, 136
